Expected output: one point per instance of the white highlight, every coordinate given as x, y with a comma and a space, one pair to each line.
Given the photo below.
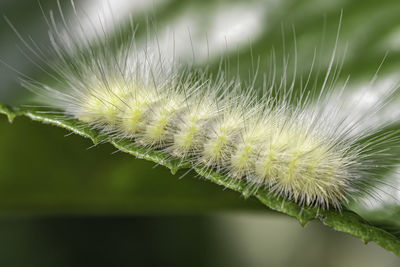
211, 33
100, 16
392, 40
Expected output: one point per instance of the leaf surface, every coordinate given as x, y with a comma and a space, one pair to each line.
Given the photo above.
344, 221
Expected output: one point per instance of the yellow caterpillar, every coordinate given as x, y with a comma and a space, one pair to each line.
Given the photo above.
300, 147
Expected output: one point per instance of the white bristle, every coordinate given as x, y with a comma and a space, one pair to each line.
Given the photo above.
307, 148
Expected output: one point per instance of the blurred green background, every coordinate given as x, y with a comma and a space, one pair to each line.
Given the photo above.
66, 203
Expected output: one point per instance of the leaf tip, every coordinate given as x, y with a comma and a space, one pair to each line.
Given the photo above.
8, 111
303, 222
11, 118
173, 169
246, 193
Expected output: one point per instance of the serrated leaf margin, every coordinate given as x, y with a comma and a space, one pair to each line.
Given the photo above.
344, 221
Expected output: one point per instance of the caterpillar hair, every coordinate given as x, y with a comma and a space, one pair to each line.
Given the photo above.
302, 140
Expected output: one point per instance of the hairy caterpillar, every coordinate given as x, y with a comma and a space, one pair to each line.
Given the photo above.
300, 146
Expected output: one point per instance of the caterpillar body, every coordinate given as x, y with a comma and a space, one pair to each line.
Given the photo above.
303, 148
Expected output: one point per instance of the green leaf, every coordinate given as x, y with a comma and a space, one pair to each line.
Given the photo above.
345, 221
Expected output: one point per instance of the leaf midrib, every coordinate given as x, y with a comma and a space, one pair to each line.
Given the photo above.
344, 221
